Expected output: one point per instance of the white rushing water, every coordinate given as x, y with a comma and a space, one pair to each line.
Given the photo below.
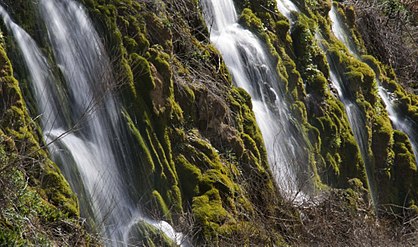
92, 156
286, 7
253, 70
399, 120
39, 71
339, 30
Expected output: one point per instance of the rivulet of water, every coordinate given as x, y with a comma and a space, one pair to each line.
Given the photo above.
399, 120
355, 116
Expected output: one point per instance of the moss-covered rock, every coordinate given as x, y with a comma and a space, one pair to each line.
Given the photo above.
145, 234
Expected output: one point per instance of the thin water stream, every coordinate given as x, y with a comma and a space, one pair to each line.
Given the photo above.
354, 114
399, 120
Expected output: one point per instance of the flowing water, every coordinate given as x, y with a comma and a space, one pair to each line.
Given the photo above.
286, 7
81, 119
355, 116
253, 70
340, 31
399, 120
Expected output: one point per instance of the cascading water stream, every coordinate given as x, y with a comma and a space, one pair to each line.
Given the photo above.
252, 69
339, 30
39, 71
286, 7
92, 156
399, 120
83, 63
355, 116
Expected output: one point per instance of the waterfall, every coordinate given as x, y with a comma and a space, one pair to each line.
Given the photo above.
286, 7
399, 120
81, 119
355, 116
339, 30
253, 70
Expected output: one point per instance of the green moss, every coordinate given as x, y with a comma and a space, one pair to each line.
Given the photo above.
334, 164
382, 139
144, 81
372, 63
282, 28
404, 171
162, 206
144, 234
219, 180
250, 20
160, 59
145, 150
298, 108
58, 190
250, 134
317, 85
189, 177
208, 211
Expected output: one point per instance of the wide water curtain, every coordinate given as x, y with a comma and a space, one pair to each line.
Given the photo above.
252, 68
84, 65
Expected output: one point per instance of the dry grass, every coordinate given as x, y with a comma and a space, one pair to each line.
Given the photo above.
389, 29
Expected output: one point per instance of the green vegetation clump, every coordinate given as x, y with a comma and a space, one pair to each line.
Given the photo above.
144, 234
